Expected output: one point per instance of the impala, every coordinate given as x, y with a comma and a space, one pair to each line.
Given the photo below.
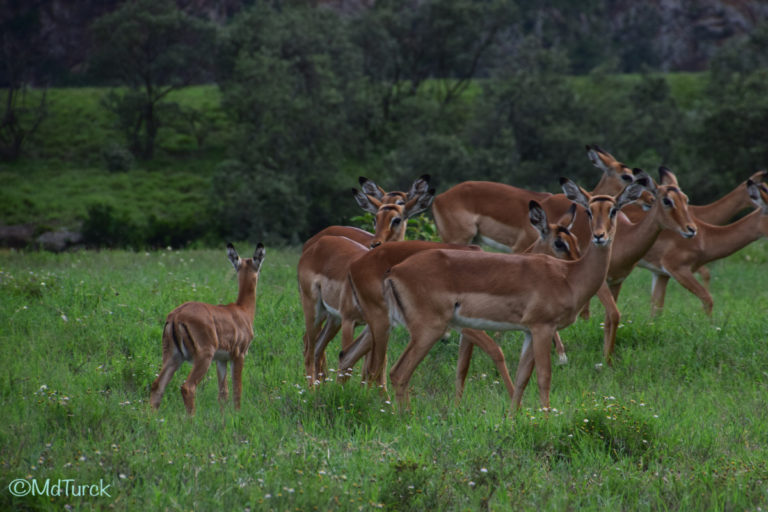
538, 294
323, 264
668, 211
367, 303
497, 214
719, 212
200, 333
375, 193
556, 240
679, 258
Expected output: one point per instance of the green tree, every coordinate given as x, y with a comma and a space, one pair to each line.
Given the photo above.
733, 133
21, 44
529, 125
152, 48
291, 82
407, 45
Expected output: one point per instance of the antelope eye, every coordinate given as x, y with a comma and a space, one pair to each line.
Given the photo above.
589, 213
668, 202
400, 202
613, 213
396, 221
559, 244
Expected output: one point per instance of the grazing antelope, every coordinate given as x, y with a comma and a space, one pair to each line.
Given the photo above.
323, 264
680, 258
538, 294
200, 333
497, 214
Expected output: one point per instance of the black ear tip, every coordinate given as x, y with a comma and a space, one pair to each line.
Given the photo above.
563, 180
425, 177
230, 246
589, 147
259, 245
354, 191
637, 170
432, 191
362, 180
533, 205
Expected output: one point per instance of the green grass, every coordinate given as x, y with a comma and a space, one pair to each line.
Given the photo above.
678, 423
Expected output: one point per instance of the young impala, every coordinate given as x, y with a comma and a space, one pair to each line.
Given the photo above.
538, 294
202, 333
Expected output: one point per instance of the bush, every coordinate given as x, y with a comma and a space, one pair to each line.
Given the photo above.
117, 158
105, 228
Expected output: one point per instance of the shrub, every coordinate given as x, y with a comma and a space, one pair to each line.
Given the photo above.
117, 158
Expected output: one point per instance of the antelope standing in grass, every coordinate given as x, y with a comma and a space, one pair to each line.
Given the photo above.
201, 333
538, 294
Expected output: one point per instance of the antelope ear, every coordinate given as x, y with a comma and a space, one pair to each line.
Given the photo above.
645, 179
233, 257
631, 193
419, 203
419, 186
569, 218
666, 177
258, 256
366, 202
759, 176
758, 194
600, 158
538, 218
370, 188
574, 192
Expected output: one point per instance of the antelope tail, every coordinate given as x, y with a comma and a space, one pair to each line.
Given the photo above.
394, 304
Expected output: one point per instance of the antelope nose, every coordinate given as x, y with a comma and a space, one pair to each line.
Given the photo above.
691, 231
375, 244
599, 238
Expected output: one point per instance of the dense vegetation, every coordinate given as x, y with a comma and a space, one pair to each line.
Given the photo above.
307, 99
679, 422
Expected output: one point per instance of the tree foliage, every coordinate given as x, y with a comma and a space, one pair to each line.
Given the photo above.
21, 44
152, 48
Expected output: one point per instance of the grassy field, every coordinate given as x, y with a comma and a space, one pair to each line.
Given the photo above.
679, 423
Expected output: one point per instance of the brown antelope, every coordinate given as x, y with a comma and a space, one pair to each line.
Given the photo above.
497, 214
201, 333
667, 211
323, 264
554, 239
537, 294
680, 258
368, 305
376, 193
718, 212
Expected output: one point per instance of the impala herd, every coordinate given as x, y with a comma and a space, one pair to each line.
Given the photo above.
565, 248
